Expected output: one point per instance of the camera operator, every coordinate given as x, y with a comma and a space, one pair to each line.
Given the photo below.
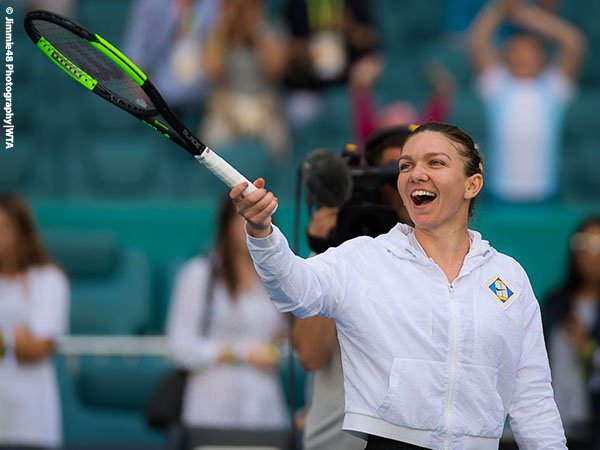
315, 338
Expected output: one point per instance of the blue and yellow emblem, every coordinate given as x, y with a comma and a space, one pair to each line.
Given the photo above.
500, 290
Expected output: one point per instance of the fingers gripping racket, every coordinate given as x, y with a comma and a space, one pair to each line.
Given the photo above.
103, 69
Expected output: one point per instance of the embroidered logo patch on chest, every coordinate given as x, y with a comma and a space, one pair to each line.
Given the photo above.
500, 290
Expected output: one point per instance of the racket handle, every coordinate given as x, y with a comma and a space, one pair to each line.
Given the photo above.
223, 170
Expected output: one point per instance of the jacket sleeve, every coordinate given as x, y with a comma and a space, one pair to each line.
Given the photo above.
305, 287
533, 415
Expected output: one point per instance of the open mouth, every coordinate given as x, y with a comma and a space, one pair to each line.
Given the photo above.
422, 197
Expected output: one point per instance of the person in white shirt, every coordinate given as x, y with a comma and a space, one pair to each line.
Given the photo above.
228, 341
440, 334
525, 96
34, 302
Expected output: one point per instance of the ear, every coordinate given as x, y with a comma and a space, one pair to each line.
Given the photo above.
473, 186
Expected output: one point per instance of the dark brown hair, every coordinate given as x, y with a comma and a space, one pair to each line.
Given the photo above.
466, 147
30, 250
225, 252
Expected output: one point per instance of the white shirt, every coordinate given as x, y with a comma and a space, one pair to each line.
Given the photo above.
525, 118
29, 399
224, 395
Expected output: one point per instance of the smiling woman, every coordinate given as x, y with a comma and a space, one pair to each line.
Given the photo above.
463, 149
440, 334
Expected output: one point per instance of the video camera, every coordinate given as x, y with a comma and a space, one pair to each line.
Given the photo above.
336, 180
366, 212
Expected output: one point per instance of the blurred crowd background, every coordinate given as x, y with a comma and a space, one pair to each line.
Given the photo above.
264, 83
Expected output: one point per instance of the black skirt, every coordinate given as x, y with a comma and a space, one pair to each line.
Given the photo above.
381, 443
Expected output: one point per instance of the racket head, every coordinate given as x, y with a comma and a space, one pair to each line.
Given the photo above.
101, 68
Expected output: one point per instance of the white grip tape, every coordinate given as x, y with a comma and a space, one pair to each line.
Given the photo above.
223, 170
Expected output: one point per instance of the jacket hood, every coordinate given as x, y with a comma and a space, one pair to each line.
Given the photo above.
402, 243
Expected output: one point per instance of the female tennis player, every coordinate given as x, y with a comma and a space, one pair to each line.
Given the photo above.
440, 334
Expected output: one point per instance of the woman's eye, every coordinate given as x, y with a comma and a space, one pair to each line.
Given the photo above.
437, 162
404, 167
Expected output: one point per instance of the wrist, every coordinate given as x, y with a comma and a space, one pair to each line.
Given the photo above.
259, 231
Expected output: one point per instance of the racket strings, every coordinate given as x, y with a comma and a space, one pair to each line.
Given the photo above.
110, 77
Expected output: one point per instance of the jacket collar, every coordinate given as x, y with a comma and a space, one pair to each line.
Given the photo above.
402, 242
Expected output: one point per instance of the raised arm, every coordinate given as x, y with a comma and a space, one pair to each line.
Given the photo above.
484, 52
570, 40
305, 287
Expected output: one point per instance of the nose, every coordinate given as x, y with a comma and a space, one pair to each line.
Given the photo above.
418, 174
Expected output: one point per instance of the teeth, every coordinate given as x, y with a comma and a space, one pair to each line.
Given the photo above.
423, 193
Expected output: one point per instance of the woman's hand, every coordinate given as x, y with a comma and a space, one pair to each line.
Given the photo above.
263, 357
256, 207
577, 334
29, 348
323, 221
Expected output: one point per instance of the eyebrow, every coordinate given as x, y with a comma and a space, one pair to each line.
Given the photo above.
427, 155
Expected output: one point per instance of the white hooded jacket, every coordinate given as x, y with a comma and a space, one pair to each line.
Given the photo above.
426, 362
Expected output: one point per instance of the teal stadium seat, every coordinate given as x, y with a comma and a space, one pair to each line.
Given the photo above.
468, 113
118, 382
110, 285
106, 164
27, 169
114, 421
15, 164
102, 396
582, 117
581, 149
404, 23
585, 15
455, 58
581, 183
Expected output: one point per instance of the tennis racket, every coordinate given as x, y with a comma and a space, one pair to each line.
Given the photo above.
101, 68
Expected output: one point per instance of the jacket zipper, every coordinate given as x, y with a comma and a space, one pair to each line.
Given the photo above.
453, 350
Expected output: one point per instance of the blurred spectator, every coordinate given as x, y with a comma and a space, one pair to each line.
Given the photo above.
233, 359
525, 97
245, 59
166, 38
34, 301
571, 318
368, 118
326, 39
